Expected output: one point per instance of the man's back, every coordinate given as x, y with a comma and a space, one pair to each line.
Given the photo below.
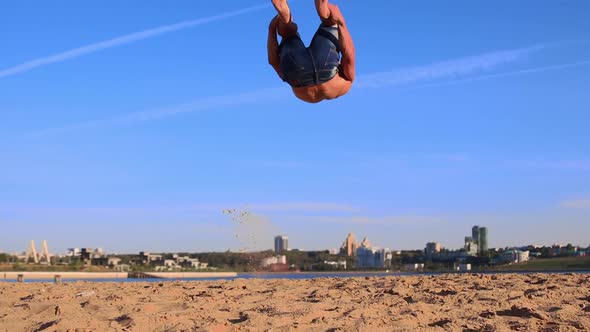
334, 88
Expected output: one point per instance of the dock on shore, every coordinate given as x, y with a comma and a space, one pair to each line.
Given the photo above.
64, 275
181, 275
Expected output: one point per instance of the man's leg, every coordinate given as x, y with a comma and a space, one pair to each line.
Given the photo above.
329, 14
286, 27
331, 17
323, 10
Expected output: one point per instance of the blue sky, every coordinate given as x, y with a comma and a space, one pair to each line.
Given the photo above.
132, 125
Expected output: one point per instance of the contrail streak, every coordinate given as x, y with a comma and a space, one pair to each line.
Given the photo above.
126, 39
444, 69
266, 95
252, 97
506, 74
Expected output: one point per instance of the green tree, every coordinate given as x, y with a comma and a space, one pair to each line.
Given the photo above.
4, 258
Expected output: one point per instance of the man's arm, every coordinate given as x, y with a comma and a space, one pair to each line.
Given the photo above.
272, 46
348, 63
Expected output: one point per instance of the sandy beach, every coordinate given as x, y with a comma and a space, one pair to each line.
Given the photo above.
533, 302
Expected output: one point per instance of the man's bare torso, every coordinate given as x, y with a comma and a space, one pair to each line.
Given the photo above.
334, 88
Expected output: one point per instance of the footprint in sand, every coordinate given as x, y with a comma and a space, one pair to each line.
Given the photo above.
45, 326
125, 321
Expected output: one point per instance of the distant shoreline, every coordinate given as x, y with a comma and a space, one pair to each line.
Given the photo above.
13, 275
169, 276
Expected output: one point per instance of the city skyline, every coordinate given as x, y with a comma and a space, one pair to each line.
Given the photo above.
134, 125
347, 248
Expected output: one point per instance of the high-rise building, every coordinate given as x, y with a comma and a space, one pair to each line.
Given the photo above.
475, 234
480, 237
366, 243
432, 248
349, 246
369, 257
471, 247
281, 243
365, 257
483, 240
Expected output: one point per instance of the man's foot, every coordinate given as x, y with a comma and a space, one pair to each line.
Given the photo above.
323, 10
283, 9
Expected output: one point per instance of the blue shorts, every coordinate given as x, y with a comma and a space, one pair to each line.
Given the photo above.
306, 66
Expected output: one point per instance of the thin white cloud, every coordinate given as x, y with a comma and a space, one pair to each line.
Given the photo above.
450, 157
183, 211
507, 74
304, 206
541, 164
122, 40
443, 70
214, 232
277, 164
257, 96
446, 69
576, 204
262, 95
368, 220
486, 162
